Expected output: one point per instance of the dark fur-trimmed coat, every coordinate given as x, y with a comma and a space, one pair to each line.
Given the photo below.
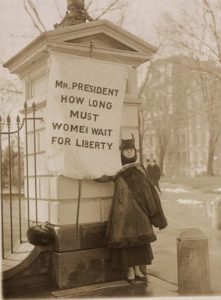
136, 208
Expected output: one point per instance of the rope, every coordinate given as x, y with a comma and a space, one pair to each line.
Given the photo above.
158, 277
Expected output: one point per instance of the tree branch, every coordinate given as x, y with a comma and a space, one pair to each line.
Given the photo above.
33, 20
32, 6
217, 39
108, 8
57, 7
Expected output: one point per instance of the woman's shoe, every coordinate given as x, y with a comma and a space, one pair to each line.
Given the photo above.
131, 281
141, 278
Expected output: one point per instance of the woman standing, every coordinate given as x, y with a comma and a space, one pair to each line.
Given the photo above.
136, 208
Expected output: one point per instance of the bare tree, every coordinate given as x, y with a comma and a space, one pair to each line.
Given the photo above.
141, 108
157, 106
211, 89
11, 96
77, 12
33, 14
199, 37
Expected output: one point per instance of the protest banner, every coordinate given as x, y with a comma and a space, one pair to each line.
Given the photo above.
83, 116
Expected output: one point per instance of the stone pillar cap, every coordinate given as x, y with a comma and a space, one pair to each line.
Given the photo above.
191, 234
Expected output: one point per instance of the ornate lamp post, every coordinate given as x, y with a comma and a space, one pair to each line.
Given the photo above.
76, 13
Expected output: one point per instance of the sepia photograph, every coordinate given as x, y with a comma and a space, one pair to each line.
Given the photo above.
110, 149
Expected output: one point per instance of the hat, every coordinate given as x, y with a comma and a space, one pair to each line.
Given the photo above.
127, 144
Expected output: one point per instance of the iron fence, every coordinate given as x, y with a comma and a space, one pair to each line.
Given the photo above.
15, 141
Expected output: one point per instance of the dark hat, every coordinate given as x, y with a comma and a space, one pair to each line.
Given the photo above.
127, 144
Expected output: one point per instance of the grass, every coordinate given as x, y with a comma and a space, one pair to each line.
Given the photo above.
205, 184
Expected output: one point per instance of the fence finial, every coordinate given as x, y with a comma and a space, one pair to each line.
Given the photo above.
34, 106
18, 119
8, 119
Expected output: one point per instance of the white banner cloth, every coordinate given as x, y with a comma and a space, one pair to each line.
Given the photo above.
83, 116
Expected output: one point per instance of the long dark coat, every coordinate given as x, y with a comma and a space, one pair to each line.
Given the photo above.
135, 208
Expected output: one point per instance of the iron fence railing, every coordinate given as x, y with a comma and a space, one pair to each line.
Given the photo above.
15, 142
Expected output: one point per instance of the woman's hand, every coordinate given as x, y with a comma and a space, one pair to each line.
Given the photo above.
104, 178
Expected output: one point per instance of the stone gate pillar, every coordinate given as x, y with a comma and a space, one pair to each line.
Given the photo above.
79, 258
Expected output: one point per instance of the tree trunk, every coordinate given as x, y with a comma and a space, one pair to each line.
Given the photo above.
161, 160
210, 158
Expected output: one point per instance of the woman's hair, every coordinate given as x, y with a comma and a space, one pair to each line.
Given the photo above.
127, 144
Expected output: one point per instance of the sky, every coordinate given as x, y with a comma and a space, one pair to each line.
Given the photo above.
17, 30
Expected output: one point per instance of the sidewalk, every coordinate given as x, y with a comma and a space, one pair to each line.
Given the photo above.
163, 271
181, 217
165, 263
155, 288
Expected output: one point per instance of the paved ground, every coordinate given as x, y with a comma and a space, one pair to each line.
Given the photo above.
155, 288
184, 209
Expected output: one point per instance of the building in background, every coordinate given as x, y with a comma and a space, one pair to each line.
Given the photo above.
182, 117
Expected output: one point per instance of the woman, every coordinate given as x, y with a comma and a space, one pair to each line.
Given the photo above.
135, 208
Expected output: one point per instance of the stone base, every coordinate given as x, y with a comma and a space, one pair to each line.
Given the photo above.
80, 257
193, 263
81, 268
88, 236
36, 273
